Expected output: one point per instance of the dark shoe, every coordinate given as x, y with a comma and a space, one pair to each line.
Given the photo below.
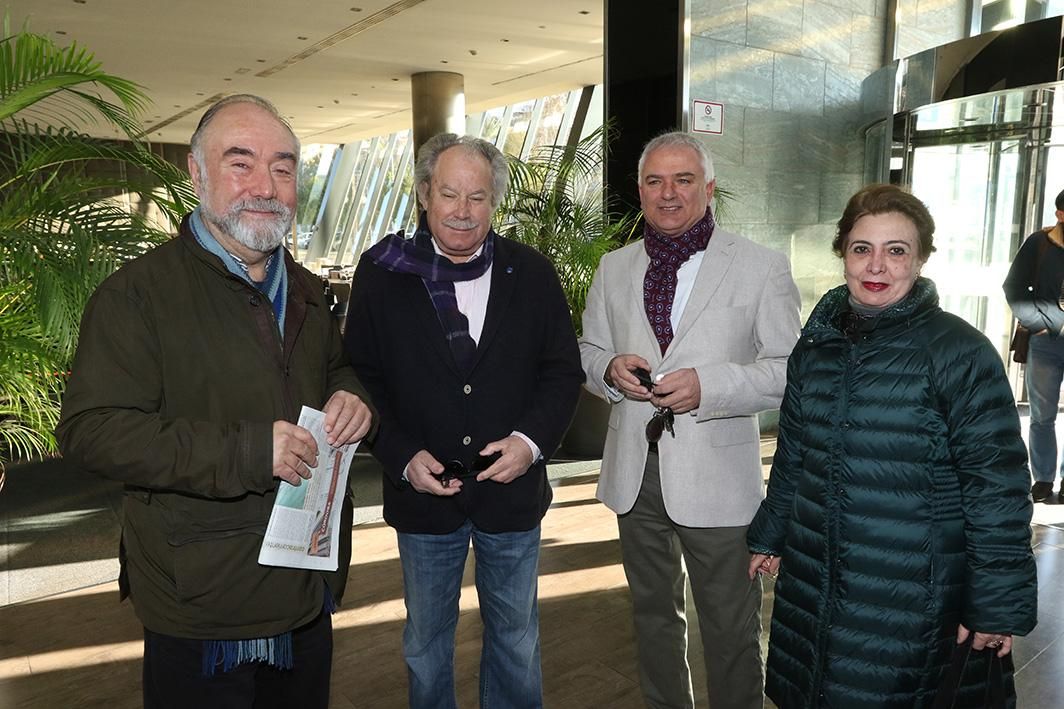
1060, 495
1040, 491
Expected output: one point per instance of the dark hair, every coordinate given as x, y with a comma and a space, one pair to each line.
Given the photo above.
1060, 201
886, 199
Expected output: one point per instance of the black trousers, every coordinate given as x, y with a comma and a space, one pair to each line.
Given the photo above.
173, 675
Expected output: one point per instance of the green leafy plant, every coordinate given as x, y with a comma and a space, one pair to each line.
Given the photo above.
72, 208
555, 204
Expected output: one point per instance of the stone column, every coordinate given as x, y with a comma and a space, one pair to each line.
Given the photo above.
438, 103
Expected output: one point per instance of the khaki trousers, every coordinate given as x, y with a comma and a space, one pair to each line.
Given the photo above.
728, 604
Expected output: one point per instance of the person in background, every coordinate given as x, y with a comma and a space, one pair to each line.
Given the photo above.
192, 365
686, 334
1034, 289
464, 340
897, 513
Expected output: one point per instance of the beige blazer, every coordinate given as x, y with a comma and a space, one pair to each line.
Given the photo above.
737, 330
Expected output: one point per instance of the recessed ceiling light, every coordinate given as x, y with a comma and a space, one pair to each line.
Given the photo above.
199, 93
585, 12
177, 105
443, 61
321, 106
79, 2
60, 31
543, 27
335, 100
395, 79
301, 37
261, 61
227, 79
473, 52
356, 9
504, 40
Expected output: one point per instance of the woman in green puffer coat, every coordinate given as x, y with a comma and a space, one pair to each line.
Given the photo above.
898, 514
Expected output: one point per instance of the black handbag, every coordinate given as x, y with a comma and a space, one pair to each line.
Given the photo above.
962, 664
1021, 336
1020, 344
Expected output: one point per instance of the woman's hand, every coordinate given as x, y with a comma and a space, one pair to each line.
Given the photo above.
764, 564
1000, 641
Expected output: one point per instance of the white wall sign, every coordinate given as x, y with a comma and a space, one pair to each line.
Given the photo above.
708, 117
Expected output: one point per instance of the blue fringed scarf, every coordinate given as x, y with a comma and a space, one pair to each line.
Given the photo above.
275, 287
275, 651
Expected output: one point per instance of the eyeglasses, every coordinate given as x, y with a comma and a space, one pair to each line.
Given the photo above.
660, 422
454, 470
457, 470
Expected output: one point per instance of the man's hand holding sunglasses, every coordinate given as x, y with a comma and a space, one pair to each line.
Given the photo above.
621, 375
680, 391
422, 473
514, 459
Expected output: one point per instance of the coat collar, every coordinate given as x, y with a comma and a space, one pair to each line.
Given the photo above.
717, 259
505, 270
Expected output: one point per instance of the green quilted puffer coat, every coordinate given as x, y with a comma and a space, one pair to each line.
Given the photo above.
899, 505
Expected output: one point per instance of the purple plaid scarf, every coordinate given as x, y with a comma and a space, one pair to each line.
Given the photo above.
667, 254
417, 257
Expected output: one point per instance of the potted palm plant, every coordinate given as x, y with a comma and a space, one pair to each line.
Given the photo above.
555, 204
72, 208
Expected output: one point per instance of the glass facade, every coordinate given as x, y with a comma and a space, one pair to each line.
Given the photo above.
354, 194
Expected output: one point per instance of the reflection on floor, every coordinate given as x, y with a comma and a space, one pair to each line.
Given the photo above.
82, 648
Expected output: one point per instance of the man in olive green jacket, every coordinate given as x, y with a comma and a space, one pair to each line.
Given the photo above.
192, 366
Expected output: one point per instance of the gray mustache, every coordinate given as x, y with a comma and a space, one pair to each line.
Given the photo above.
263, 205
460, 223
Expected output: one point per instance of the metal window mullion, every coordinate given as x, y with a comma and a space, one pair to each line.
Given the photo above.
504, 127
375, 195
533, 128
356, 198
400, 173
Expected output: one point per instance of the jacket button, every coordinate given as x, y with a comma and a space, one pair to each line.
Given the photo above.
467, 389
254, 301
466, 441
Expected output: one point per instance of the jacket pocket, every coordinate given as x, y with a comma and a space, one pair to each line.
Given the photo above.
732, 431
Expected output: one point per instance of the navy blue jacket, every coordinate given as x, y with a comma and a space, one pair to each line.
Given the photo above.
526, 377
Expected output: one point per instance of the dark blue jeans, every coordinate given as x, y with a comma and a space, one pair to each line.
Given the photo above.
1045, 369
506, 579
173, 674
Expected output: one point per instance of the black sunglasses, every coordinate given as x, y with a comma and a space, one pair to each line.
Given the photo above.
457, 470
660, 422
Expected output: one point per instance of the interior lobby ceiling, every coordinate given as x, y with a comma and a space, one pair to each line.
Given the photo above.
338, 69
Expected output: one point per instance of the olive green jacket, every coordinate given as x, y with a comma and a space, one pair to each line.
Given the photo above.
179, 375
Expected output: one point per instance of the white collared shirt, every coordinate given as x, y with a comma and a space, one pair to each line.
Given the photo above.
472, 296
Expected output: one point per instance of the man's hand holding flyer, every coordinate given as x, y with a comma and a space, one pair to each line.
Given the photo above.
305, 521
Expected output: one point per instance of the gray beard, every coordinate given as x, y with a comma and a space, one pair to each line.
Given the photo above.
263, 237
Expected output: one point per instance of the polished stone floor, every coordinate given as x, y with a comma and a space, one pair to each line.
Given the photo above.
65, 641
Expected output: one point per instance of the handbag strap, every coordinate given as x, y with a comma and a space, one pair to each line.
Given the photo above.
946, 698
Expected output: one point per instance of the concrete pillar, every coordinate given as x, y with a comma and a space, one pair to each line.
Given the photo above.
438, 102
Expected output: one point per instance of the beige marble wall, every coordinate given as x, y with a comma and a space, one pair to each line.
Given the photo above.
923, 24
789, 74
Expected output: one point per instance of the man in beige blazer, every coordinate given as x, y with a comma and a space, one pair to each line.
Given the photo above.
711, 317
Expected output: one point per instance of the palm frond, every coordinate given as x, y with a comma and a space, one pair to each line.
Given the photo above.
556, 205
36, 75
72, 209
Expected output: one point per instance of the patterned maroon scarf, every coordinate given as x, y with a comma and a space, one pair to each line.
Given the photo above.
667, 254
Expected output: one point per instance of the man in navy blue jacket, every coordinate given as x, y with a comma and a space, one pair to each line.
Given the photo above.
464, 340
